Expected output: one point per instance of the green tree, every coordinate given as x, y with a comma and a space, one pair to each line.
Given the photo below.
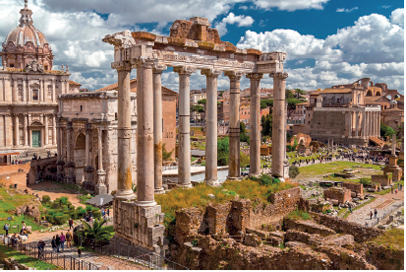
202, 101
95, 233
387, 131
266, 102
197, 108
266, 123
244, 160
243, 133
295, 144
223, 150
166, 156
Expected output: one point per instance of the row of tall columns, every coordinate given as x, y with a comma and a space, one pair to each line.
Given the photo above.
25, 123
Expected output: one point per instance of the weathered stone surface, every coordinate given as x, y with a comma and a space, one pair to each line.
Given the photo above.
340, 194
253, 240
354, 187
307, 226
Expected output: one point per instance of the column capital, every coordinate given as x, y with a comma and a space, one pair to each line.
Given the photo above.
143, 62
255, 76
234, 75
279, 75
211, 72
184, 70
159, 68
121, 66
69, 126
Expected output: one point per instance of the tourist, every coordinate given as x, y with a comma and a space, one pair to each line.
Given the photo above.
63, 238
108, 212
366, 224
68, 239
6, 227
370, 215
70, 223
376, 213
14, 240
53, 244
350, 209
79, 252
396, 191
40, 246
57, 242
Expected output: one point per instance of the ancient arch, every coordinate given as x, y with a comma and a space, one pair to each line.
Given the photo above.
80, 155
369, 93
378, 93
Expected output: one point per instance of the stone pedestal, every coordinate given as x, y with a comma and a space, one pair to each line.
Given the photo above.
139, 225
88, 183
71, 178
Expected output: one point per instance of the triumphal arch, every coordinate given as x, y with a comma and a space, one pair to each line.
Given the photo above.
191, 46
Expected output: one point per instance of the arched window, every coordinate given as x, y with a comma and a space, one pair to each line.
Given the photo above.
81, 141
378, 94
369, 93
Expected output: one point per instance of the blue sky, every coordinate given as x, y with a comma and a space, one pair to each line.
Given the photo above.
328, 42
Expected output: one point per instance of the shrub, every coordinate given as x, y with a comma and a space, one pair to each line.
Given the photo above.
89, 208
56, 205
298, 214
293, 171
46, 199
97, 214
64, 200
365, 181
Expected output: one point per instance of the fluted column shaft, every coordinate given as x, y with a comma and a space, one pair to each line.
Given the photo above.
278, 124
363, 125
234, 171
356, 124
255, 127
46, 129
124, 168
157, 72
184, 176
69, 129
211, 126
25, 117
53, 129
101, 187
350, 124
16, 130
145, 151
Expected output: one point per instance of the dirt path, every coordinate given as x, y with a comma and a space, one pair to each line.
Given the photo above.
54, 191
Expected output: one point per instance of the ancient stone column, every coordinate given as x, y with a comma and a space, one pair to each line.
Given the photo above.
278, 125
184, 178
363, 125
255, 126
379, 123
124, 168
350, 124
29, 134
46, 129
70, 164
393, 150
60, 163
157, 72
101, 187
53, 129
145, 150
16, 130
25, 117
234, 171
356, 124
88, 167
211, 126
374, 123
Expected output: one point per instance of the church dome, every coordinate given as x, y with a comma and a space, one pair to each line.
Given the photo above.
25, 44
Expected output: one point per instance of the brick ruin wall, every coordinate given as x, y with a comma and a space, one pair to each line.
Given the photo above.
340, 194
360, 233
234, 217
383, 180
354, 187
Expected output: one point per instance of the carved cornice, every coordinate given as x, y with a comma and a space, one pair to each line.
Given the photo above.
121, 66
184, 70
120, 40
279, 75
145, 63
255, 76
234, 75
69, 126
88, 127
159, 68
211, 72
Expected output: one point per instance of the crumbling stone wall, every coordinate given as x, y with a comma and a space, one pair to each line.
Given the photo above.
354, 187
385, 258
216, 218
360, 233
340, 194
189, 222
383, 180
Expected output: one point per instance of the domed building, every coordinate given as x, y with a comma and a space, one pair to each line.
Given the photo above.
29, 90
25, 43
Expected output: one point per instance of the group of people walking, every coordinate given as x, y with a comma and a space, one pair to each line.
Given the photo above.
58, 241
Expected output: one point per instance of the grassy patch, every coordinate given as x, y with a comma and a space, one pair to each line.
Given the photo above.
198, 196
6, 252
384, 192
394, 239
322, 169
299, 215
84, 198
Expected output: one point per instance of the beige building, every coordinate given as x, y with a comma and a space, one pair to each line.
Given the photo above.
29, 89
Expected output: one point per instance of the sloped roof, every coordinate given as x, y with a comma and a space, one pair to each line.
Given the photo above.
71, 82
133, 84
375, 99
335, 90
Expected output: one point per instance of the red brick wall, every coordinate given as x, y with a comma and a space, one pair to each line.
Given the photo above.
340, 194
358, 188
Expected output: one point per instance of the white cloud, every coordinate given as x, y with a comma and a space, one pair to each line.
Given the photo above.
231, 19
346, 10
290, 5
397, 17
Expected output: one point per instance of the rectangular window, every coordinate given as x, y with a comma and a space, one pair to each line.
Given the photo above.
35, 95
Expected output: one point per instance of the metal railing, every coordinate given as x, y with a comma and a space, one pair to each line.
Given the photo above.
140, 255
61, 260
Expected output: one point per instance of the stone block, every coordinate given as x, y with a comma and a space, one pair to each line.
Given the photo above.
252, 240
273, 241
340, 194
259, 233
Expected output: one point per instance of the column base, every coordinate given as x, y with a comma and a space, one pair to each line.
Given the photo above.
159, 191
184, 186
146, 204
212, 183
125, 194
100, 189
234, 178
254, 175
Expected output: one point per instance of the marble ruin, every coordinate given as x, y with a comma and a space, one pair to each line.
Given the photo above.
191, 46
